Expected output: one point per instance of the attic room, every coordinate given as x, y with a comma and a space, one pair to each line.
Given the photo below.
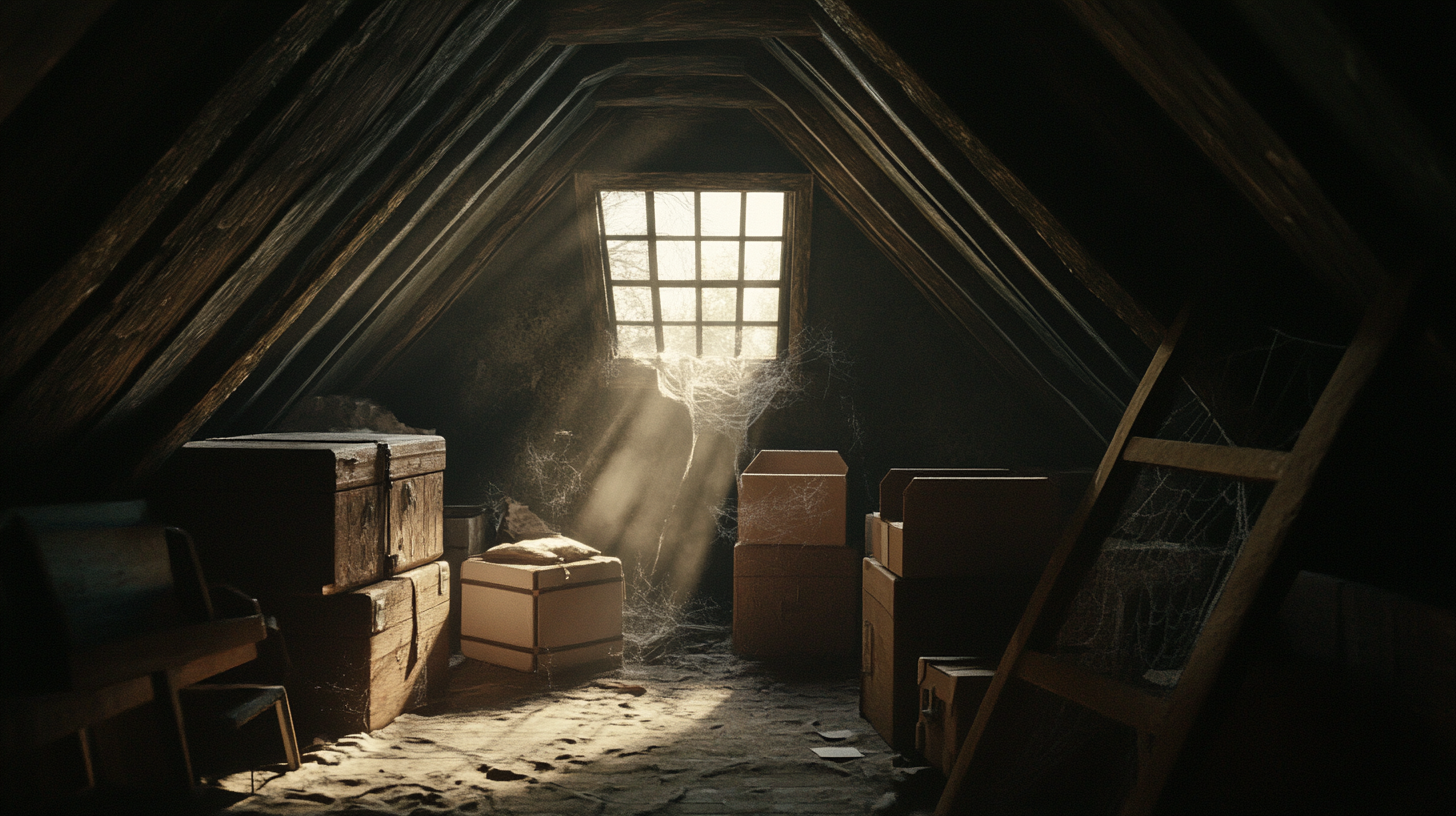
1086, 363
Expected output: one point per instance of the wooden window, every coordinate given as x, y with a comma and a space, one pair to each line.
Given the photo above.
707, 265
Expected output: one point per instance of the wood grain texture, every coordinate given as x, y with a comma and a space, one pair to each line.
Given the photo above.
47, 309
905, 95
1185, 83
1253, 464
583, 22
346, 94
679, 91
1088, 689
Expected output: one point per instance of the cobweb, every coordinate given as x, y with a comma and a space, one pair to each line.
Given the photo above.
1139, 611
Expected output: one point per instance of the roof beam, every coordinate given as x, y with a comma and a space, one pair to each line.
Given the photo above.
681, 92
584, 22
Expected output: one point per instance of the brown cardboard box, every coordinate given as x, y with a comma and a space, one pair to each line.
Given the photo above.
796, 603
308, 512
529, 617
792, 497
362, 658
907, 618
975, 525
892, 486
877, 536
951, 689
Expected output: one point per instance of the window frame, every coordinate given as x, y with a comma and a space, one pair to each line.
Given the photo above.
798, 191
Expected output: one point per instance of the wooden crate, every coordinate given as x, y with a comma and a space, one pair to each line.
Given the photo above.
315, 512
951, 689
796, 603
528, 617
905, 619
364, 657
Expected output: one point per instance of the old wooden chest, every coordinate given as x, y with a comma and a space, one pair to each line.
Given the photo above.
308, 512
364, 657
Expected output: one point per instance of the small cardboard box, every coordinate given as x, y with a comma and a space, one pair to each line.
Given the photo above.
907, 618
951, 689
975, 525
877, 536
362, 658
528, 617
796, 603
792, 497
892, 486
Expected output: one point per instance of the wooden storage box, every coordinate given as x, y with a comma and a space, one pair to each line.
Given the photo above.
309, 512
796, 603
905, 619
792, 497
951, 689
975, 526
362, 658
529, 617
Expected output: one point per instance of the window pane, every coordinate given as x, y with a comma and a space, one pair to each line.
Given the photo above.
675, 260
720, 260
765, 214
760, 341
718, 341
761, 304
762, 260
636, 341
674, 212
632, 302
679, 303
720, 213
680, 339
627, 260
721, 304
624, 213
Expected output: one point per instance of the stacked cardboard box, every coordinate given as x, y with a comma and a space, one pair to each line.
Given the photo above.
338, 535
795, 583
954, 557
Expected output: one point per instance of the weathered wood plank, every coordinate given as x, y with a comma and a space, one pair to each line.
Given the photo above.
681, 92
1253, 464
45, 310
1151, 46
34, 35
981, 226
1108, 697
863, 52
584, 22
92, 368
298, 223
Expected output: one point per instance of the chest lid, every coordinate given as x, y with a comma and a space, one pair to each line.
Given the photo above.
310, 462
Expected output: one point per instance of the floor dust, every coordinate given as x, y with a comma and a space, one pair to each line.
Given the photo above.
708, 733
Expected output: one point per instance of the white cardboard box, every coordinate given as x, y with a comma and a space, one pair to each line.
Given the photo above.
529, 617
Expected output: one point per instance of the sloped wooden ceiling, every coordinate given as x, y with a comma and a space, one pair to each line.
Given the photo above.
340, 191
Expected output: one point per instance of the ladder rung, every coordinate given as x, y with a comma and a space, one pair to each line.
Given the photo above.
1108, 697
1254, 464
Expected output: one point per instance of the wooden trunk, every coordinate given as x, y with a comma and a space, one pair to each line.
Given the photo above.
362, 658
528, 617
951, 689
795, 603
309, 512
905, 619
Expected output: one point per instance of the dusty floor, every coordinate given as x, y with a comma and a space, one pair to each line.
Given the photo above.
708, 733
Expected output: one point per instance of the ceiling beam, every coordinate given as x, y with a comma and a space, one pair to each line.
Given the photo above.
583, 22
681, 92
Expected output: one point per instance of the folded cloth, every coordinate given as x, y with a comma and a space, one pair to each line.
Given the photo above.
554, 549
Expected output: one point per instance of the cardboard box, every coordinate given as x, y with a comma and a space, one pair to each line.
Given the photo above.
792, 497
905, 619
975, 525
466, 534
308, 512
892, 486
951, 689
796, 603
877, 536
362, 658
529, 617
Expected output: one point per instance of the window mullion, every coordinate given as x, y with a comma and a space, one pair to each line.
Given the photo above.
738, 304
652, 271
698, 264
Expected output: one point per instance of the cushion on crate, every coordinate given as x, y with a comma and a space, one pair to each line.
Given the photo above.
556, 549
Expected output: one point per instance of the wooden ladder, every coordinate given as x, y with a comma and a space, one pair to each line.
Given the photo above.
1137, 729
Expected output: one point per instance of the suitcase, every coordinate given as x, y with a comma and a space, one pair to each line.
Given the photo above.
795, 603
308, 512
528, 617
361, 658
905, 619
951, 689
